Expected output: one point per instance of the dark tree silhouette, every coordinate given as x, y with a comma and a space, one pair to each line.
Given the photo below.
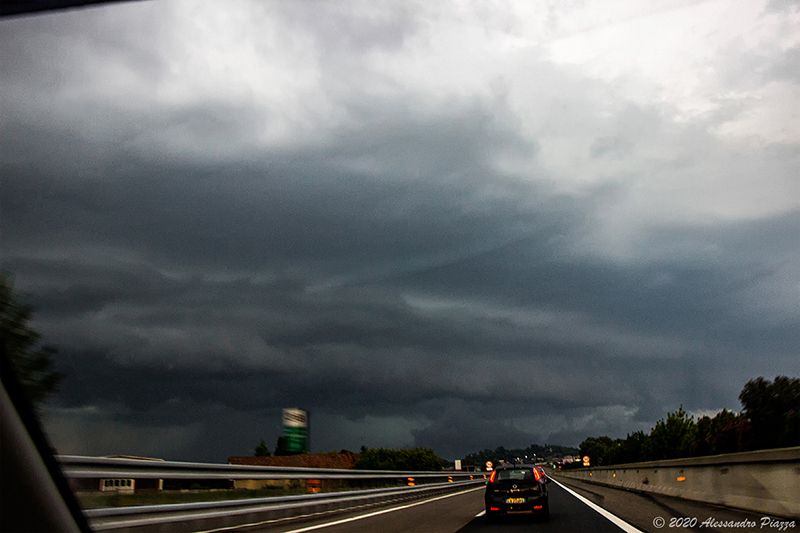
773, 411
262, 450
31, 360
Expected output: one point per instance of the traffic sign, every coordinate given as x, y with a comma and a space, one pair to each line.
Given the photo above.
489, 465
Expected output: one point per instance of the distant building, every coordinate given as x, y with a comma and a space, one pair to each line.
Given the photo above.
343, 460
119, 485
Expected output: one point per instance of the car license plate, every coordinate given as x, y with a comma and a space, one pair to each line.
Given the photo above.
515, 500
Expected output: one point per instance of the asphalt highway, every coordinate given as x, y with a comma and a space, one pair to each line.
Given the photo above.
574, 507
460, 512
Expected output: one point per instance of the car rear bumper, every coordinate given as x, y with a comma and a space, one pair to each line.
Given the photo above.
532, 505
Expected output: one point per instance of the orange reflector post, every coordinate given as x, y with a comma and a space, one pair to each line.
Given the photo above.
681, 478
411, 482
450, 479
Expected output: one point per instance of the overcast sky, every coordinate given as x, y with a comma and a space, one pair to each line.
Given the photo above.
449, 224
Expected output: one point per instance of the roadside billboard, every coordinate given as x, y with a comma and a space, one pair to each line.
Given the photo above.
295, 430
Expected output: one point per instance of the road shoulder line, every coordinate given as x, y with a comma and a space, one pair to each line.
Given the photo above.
614, 519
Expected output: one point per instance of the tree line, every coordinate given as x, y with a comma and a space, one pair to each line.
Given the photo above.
404, 460
531, 454
770, 418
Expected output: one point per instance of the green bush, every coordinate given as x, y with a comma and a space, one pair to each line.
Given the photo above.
406, 460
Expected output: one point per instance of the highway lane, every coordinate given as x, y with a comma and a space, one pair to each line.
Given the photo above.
441, 514
567, 514
461, 512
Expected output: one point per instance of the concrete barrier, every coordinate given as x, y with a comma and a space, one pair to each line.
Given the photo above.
765, 481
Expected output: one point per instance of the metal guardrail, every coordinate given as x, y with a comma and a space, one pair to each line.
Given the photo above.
231, 513
207, 515
253, 502
101, 467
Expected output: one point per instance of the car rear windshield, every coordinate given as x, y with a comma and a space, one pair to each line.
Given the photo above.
521, 473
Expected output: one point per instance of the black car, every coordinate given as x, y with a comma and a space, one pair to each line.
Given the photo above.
517, 489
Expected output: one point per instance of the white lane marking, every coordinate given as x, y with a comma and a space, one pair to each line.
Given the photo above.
617, 521
480, 514
376, 513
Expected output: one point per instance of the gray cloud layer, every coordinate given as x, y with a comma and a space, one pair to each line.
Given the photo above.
214, 226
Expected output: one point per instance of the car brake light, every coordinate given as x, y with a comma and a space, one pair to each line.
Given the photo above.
537, 506
536, 474
494, 508
494, 475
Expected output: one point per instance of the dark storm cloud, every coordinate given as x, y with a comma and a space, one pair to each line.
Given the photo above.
336, 349
279, 209
453, 434
329, 326
393, 273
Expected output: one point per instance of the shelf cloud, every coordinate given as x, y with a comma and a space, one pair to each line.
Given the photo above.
437, 225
